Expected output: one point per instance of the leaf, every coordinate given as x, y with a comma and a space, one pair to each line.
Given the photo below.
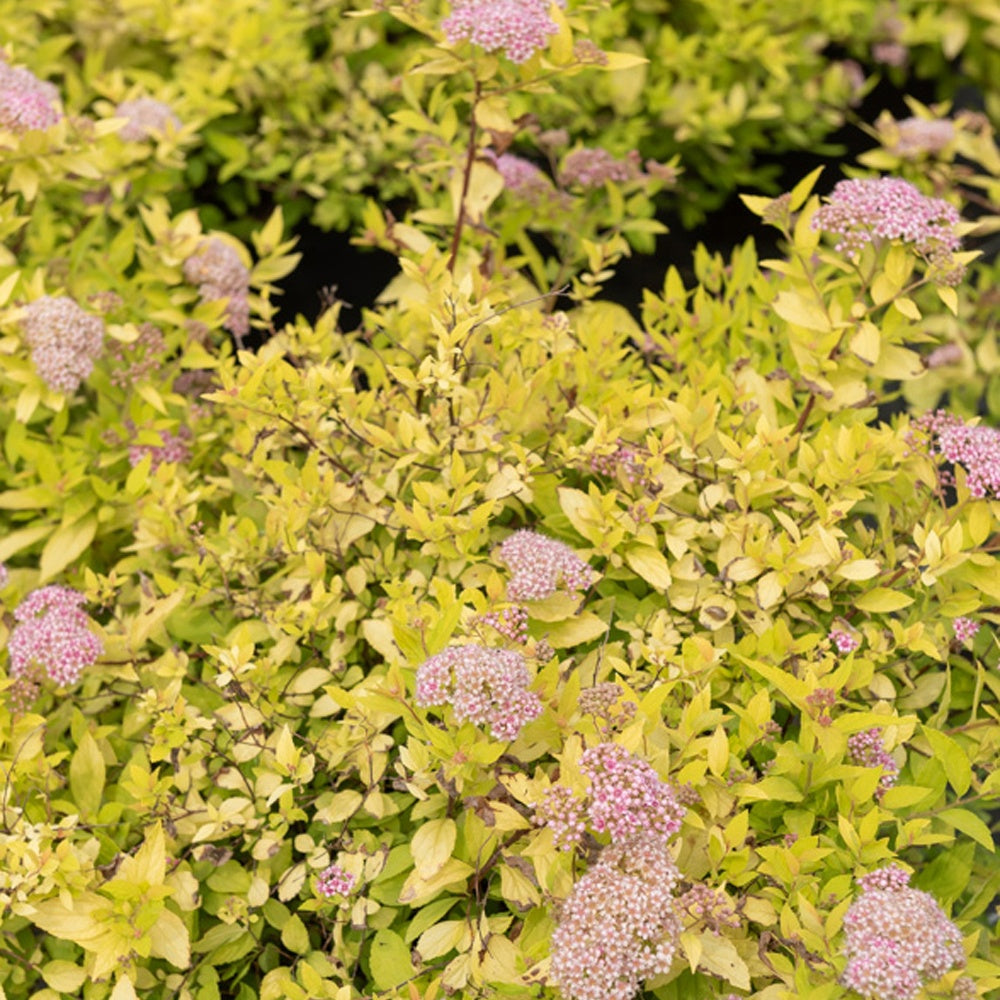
417, 890
952, 757
969, 824
866, 344
803, 189
576, 631
441, 938
650, 564
859, 569
720, 957
432, 845
169, 939
77, 923
718, 752
799, 311
86, 776
66, 544
908, 308
621, 60
64, 977
124, 990
294, 935
881, 600
390, 961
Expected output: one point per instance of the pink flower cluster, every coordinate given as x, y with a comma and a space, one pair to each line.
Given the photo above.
619, 924
862, 211
219, 273
624, 459
512, 622
965, 630
334, 881
710, 907
563, 813
484, 686
523, 180
592, 168
922, 135
975, 448
26, 103
846, 642
541, 566
601, 701
54, 634
518, 28
146, 117
64, 341
627, 795
172, 449
866, 749
897, 938
140, 358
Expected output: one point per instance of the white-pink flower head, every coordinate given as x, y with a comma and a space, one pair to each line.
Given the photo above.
897, 938
541, 566
518, 28
64, 341
26, 103
216, 268
54, 634
146, 117
484, 686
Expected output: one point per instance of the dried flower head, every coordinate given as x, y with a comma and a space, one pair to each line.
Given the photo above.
897, 938
215, 267
26, 103
484, 686
146, 117
541, 566
64, 341
518, 28
54, 634
619, 925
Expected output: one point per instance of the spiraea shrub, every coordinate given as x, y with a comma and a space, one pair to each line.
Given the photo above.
502, 643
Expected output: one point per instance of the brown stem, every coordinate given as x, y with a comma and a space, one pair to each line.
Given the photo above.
470, 158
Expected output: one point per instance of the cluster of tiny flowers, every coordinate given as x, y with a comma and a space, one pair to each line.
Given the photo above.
512, 622
922, 135
627, 795
146, 117
943, 356
822, 700
846, 642
601, 700
54, 634
541, 566
525, 181
975, 448
219, 273
708, 906
4, 575
592, 168
26, 103
965, 630
624, 459
897, 938
139, 359
483, 686
64, 341
172, 449
563, 813
619, 925
334, 881
866, 749
518, 28
863, 210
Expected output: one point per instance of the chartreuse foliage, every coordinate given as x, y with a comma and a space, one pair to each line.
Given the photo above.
726, 465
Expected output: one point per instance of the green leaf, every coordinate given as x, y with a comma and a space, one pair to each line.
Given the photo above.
170, 940
952, 757
432, 845
881, 600
969, 824
390, 961
294, 935
67, 543
65, 977
803, 189
650, 564
86, 776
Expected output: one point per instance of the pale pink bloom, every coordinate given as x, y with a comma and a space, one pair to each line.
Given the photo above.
172, 449
215, 267
484, 686
541, 566
923, 135
563, 813
846, 642
146, 117
518, 28
64, 341
975, 447
943, 356
26, 103
862, 211
54, 634
591, 168
897, 938
965, 630
619, 925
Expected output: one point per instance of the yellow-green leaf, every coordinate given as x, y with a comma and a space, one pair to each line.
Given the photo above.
390, 961
650, 564
169, 939
86, 776
67, 542
881, 600
432, 845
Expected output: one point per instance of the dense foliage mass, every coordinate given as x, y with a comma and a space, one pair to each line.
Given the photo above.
503, 643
